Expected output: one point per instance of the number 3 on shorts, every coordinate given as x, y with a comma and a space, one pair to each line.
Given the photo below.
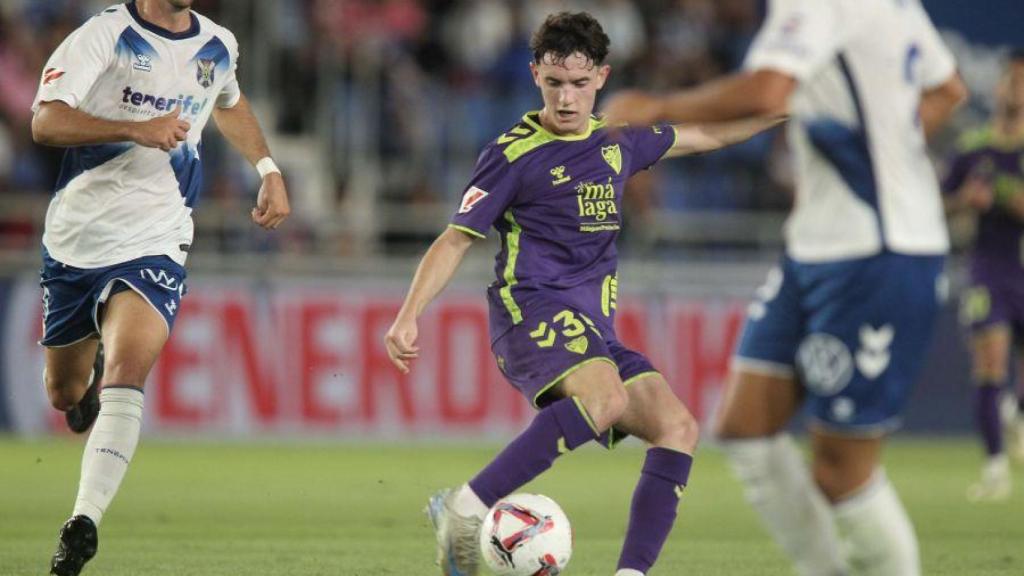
572, 327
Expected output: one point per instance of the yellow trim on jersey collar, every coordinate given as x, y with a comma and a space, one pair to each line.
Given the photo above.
594, 124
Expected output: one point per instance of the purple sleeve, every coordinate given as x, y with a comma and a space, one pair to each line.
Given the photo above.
490, 191
649, 144
959, 168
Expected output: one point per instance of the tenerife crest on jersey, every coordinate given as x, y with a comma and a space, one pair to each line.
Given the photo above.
613, 156
143, 62
204, 71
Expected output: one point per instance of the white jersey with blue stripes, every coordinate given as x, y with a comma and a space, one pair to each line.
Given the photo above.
864, 180
120, 201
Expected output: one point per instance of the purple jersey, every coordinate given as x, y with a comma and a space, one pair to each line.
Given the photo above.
557, 203
1000, 232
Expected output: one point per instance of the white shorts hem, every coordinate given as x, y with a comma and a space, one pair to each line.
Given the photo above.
762, 367
105, 294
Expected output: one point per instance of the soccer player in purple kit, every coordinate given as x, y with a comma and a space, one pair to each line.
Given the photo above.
552, 187
987, 177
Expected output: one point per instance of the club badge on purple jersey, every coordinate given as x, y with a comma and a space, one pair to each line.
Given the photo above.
556, 201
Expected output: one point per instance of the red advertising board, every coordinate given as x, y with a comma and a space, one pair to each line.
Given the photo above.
308, 359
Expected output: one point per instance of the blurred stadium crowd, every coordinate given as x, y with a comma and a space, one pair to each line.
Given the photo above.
378, 108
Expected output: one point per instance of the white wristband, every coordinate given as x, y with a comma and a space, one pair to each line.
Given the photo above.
266, 166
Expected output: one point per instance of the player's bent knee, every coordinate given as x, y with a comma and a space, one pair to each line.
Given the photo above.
611, 407
989, 369
62, 392
126, 373
679, 431
837, 478
832, 481
989, 373
61, 398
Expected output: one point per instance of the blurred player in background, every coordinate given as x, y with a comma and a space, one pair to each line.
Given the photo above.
845, 320
987, 177
128, 94
552, 187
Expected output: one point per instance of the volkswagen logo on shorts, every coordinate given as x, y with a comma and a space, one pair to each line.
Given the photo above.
825, 363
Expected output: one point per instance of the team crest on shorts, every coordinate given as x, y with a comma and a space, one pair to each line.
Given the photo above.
204, 72
825, 363
613, 156
578, 345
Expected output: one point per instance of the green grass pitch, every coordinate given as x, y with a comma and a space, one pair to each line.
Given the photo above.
348, 510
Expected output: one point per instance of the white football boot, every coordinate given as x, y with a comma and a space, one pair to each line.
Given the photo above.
458, 537
995, 484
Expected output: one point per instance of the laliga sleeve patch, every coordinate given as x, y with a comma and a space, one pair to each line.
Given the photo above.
50, 75
471, 198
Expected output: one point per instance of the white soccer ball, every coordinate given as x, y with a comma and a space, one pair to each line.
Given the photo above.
526, 535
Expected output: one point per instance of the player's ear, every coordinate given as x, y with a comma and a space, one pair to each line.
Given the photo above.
602, 75
535, 72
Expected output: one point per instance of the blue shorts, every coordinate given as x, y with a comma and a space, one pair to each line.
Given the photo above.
72, 297
854, 333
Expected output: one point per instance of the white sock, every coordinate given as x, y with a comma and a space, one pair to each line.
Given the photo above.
778, 485
629, 572
877, 532
108, 451
468, 504
998, 464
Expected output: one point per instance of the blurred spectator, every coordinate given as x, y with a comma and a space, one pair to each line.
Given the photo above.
400, 95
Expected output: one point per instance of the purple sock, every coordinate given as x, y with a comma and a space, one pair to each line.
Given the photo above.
653, 512
558, 428
986, 412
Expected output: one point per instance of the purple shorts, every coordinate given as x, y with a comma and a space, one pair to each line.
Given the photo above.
995, 296
552, 342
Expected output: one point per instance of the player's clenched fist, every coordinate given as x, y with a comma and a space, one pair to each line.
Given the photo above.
271, 203
401, 343
163, 132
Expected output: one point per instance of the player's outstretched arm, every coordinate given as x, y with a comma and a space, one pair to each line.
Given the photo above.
57, 124
698, 138
939, 103
242, 130
433, 273
759, 94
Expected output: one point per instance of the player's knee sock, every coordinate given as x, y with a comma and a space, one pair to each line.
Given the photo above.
109, 449
879, 537
557, 429
986, 414
653, 512
778, 484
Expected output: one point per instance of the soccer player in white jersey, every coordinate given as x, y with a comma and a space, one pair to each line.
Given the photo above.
128, 94
844, 321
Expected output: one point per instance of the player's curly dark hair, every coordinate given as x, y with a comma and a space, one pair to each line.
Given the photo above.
567, 33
